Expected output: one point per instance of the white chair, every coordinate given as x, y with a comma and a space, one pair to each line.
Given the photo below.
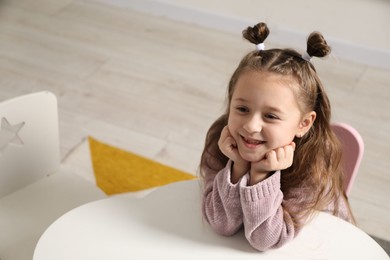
34, 191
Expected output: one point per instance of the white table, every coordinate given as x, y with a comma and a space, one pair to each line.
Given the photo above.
167, 224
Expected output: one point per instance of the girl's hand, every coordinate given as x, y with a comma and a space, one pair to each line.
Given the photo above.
279, 159
228, 147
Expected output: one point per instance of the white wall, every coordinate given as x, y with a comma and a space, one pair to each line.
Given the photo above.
356, 29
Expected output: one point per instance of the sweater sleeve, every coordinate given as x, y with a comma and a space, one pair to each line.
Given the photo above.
221, 205
266, 224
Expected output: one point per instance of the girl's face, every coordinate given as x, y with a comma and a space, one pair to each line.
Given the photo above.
264, 114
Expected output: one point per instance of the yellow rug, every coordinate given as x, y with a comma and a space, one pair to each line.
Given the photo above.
117, 171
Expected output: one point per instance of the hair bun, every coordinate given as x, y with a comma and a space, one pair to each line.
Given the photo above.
317, 46
256, 34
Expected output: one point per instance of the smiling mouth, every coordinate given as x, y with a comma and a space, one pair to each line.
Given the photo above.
252, 142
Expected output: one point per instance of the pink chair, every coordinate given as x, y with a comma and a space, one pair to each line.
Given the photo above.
353, 149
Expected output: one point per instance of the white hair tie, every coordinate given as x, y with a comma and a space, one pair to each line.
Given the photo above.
306, 56
260, 46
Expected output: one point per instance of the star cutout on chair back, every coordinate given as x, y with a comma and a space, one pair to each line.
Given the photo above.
9, 134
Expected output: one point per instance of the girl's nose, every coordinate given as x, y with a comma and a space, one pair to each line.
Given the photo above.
253, 125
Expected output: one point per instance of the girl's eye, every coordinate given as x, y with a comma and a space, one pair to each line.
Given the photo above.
242, 109
271, 116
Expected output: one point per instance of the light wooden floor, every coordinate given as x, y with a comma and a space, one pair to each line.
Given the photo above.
153, 86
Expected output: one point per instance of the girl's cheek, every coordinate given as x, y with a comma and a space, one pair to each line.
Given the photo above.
233, 132
231, 125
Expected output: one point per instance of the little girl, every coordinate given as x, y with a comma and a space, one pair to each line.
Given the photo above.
272, 160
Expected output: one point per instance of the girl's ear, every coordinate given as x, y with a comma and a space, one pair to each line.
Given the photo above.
306, 123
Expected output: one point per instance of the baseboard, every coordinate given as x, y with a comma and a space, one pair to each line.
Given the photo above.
281, 36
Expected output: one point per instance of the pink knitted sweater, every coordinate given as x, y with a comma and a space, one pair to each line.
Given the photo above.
258, 208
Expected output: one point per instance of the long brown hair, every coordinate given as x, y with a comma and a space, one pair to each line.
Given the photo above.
316, 168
